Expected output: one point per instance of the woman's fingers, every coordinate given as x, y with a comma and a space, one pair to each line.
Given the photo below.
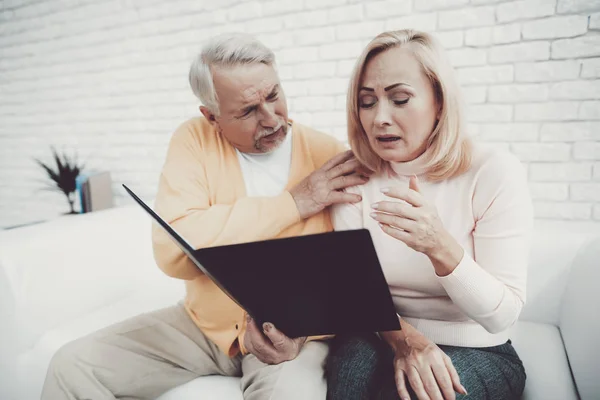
394, 221
430, 383
401, 385
458, 387
442, 376
417, 384
397, 208
410, 196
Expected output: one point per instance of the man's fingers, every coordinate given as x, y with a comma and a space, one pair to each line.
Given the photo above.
442, 376
257, 344
401, 385
338, 159
347, 168
343, 197
282, 343
343, 182
362, 170
458, 387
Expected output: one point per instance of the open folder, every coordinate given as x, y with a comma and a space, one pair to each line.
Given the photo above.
329, 283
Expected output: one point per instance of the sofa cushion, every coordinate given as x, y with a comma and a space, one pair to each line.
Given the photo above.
207, 388
541, 348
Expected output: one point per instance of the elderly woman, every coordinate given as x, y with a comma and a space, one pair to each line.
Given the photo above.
451, 223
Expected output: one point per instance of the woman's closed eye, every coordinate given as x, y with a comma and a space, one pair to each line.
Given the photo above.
367, 102
370, 101
400, 102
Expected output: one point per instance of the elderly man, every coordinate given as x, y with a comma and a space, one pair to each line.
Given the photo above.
242, 172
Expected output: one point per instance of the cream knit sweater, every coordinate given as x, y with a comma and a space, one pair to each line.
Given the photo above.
488, 211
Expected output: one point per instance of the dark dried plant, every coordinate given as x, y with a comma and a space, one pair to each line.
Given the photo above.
63, 175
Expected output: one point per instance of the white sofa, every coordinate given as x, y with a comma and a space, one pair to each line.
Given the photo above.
65, 278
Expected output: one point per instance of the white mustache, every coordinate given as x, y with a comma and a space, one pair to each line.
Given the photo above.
269, 131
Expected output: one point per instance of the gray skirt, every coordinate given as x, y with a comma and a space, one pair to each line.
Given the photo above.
360, 367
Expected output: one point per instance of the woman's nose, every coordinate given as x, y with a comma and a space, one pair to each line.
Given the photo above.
382, 115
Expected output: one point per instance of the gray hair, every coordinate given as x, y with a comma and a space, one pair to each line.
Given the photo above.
224, 50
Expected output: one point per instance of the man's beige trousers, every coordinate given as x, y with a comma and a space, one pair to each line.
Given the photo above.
147, 355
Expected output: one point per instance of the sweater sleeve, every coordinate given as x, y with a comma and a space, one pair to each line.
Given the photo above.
183, 201
490, 286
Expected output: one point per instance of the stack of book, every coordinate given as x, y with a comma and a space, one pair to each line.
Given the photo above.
95, 191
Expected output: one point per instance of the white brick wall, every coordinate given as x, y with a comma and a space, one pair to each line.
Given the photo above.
107, 78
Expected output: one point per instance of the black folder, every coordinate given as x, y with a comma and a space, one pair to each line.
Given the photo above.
329, 283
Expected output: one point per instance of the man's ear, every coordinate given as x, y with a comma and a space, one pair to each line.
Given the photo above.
212, 119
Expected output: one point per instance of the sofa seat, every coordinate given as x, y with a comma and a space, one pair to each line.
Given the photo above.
539, 345
541, 348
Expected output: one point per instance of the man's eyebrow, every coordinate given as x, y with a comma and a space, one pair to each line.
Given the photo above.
368, 89
249, 106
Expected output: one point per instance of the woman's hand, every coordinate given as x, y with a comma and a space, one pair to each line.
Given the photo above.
417, 224
428, 370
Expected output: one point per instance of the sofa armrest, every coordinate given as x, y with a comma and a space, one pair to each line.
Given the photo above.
555, 246
580, 319
73, 265
8, 339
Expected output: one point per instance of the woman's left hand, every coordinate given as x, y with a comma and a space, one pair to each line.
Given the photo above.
417, 224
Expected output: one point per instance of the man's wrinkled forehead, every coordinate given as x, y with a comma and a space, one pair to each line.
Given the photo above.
242, 85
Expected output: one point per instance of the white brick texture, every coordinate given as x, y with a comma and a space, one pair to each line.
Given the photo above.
547, 71
549, 191
525, 9
560, 172
108, 79
558, 27
590, 68
520, 52
584, 46
562, 210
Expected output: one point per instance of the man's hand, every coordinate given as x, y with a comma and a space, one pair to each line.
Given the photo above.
275, 348
324, 186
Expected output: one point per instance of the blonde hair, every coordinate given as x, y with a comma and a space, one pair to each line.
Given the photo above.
228, 49
448, 149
